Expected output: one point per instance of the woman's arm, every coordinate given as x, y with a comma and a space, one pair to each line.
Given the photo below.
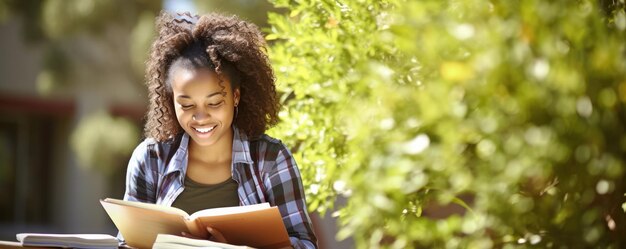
140, 181
284, 186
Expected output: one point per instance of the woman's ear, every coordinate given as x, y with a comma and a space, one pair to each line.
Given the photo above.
236, 95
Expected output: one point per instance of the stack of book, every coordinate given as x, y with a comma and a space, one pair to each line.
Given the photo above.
97, 241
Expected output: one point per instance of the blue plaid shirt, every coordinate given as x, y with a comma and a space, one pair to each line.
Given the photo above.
263, 167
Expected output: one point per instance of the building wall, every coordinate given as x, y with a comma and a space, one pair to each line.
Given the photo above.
52, 191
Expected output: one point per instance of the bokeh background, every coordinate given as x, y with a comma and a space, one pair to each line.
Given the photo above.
416, 124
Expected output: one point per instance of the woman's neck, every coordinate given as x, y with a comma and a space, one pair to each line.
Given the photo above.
216, 154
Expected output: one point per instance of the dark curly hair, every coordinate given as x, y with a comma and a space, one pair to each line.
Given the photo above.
228, 46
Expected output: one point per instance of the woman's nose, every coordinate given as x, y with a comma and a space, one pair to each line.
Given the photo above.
199, 116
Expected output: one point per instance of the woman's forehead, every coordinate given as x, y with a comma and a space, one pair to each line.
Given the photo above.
199, 77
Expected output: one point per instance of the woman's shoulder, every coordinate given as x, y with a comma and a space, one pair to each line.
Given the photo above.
266, 139
151, 148
269, 149
267, 142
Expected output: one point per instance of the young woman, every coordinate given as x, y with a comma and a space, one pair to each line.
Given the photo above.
212, 96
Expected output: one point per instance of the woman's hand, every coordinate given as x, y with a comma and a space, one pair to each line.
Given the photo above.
214, 235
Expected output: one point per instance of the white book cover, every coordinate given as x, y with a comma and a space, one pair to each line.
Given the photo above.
68, 240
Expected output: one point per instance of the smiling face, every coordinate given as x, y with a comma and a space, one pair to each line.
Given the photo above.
204, 108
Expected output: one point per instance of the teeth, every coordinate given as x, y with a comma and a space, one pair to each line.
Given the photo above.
204, 130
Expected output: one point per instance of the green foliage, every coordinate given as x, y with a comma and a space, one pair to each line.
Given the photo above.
57, 25
3, 10
77, 16
254, 11
142, 36
512, 110
100, 140
55, 70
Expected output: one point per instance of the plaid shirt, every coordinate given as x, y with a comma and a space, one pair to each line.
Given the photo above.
263, 167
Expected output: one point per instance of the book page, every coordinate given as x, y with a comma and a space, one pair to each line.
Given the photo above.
263, 228
172, 241
150, 206
229, 210
140, 226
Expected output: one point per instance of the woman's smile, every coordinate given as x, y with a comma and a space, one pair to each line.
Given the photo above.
204, 130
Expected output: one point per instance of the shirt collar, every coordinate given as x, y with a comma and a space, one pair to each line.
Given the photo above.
178, 162
241, 152
241, 147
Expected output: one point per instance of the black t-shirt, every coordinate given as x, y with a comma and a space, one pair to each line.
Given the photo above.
197, 196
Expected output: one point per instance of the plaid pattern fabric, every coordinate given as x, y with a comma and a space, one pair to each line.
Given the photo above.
263, 167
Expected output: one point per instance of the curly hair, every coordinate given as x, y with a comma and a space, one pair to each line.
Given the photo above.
230, 47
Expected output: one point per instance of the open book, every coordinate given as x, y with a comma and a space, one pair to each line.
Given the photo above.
259, 225
166, 241
68, 240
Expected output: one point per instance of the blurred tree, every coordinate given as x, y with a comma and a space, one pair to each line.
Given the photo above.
513, 110
251, 10
109, 146
88, 44
56, 24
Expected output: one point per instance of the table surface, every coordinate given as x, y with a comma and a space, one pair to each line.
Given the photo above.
15, 244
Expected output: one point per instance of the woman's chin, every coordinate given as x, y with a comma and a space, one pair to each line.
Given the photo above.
203, 138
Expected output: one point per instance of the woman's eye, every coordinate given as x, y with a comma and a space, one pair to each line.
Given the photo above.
216, 104
186, 106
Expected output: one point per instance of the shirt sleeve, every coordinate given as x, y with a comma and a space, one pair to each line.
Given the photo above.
140, 181
285, 190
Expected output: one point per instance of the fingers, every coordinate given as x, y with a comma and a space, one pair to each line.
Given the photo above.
188, 235
216, 235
